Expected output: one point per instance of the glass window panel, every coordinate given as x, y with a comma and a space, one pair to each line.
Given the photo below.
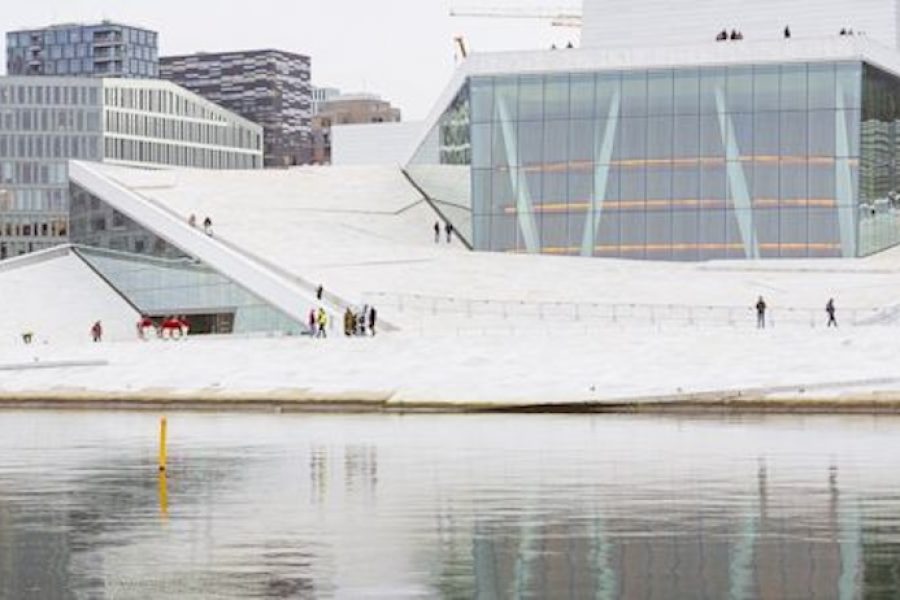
502, 195
711, 82
792, 182
482, 90
555, 190
742, 130
607, 236
658, 234
582, 139
685, 234
556, 142
506, 97
794, 134
634, 94
766, 139
503, 152
848, 77
687, 92
531, 98
821, 180
530, 142
659, 185
739, 89
556, 97
766, 88
504, 230
608, 89
582, 96
686, 136
793, 87
481, 190
793, 234
711, 145
580, 187
821, 130
821, 79
685, 183
481, 144
711, 225
555, 232
659, 136
712, 185
631, 143
660, 100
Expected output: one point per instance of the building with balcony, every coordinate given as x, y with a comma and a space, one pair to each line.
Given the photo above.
269, 87
106, 49
46, 121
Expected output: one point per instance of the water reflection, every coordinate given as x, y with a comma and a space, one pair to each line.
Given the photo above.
462, 507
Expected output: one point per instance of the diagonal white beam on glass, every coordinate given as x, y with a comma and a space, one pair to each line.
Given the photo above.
737, 179
843, 179
524, 205
603, 150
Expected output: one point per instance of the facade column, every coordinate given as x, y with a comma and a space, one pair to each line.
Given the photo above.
603, 149
843, 179
524, 206
737, 179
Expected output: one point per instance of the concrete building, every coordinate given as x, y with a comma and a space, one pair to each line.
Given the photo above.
45, 121
269, 87
347, 109
106, 49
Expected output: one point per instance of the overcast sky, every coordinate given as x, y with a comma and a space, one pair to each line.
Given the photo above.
401, 49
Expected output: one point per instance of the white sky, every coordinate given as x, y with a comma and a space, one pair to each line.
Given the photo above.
401, 49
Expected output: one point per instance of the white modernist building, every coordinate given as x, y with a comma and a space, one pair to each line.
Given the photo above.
45, 121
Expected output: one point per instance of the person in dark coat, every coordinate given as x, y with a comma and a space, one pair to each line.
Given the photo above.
787, 32
97, 332
449, 229
829, 308
319, 291
372, 316
437, 232
760, 313
348, 322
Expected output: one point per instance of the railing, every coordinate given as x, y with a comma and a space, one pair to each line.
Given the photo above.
500, 311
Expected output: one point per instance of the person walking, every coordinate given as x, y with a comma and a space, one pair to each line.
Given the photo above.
192, 220
787, 32
348, 322
760, 313
323, 323
319, 291
207, 226
449, 229
372, 316
97, 332
312, 322
829, 308
437, 232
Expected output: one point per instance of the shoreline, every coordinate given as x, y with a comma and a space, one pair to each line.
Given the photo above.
711, 403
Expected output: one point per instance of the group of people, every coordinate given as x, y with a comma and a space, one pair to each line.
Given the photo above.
207, 223
723, 35
361, 323
171, 327
761, 313
448, 230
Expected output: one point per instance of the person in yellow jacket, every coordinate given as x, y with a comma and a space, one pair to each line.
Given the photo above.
322, 322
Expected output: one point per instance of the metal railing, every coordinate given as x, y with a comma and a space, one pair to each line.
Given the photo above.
471, 309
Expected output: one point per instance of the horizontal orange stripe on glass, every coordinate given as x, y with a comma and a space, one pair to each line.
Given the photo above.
561, 207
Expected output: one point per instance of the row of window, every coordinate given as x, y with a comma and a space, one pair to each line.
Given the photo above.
60, 95
33, 227
50, 146
167, 127
158, 101
128, 150
75, 35
81, 66
31, 173
55, 120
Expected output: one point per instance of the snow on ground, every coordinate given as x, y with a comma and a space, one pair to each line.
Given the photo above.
57, 298
609, 363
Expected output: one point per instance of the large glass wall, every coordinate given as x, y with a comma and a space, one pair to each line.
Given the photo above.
159, 278
673, 164
879, 202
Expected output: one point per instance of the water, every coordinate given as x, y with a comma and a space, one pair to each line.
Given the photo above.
498, 506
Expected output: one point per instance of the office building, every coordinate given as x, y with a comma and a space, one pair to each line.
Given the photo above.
103, 50
269, 87
45, 121
322, 95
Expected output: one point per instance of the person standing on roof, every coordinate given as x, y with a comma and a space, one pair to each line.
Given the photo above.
760, 313
207, 226
319, 291
437, 232
829, 308
312, 322
322, 322
372, 316
787, 32
449, 229
192, 220
97, 332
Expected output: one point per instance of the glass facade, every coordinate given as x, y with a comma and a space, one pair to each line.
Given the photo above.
104, 50
743, 161
160, 279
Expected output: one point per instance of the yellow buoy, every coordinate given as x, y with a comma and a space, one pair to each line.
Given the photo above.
162, 444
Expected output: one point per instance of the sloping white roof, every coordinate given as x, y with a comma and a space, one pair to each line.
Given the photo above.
57, 297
